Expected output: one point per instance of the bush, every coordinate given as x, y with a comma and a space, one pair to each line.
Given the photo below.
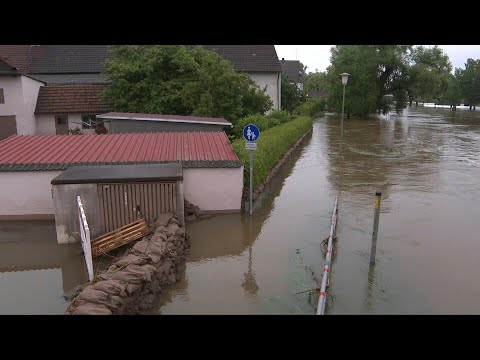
76, 131
281, 115
311, 107
263, 122
273, 144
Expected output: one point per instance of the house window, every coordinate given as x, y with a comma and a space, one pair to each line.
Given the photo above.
2, 97
89, 121
62, 120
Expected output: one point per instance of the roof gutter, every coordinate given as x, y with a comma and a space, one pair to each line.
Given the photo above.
163, 120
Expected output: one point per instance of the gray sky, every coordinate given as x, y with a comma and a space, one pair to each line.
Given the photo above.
318, 56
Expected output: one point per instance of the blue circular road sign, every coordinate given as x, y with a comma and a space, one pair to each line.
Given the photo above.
251, 133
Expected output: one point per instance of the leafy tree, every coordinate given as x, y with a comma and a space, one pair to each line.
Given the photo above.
428, 75
316, 81
453, 94
292, 96
180, 80
469, 80
378, 73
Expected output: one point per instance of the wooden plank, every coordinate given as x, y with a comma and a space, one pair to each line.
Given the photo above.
119, 241
116, 231
119, 234
119, 237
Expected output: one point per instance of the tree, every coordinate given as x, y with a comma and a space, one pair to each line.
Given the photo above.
378, 73
180, 80
428, 74
453, 94
292, 96
469, 80
316, 81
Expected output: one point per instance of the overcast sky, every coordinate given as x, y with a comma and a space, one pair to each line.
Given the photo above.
318, 56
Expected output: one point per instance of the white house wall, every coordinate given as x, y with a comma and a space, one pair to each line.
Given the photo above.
45, 124
12, 92
26, 193
214, 189
20, 94
31, 89
273, 83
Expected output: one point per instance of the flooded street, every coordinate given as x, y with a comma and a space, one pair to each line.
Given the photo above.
36, 272
426, 163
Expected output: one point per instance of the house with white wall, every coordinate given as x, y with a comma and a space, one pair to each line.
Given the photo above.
294, 71
18, 97
260, 62
53, 89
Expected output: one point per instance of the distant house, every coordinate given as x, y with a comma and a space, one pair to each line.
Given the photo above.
260, 62
141, 123
51, 89
294, 71
18, 97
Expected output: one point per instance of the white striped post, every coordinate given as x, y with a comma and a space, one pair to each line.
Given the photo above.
322, 300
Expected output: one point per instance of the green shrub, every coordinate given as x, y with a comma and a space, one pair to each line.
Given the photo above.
263, 122
281, 115
311, 107
273, 144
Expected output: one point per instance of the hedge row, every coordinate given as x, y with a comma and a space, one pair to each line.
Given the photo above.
263, 122
311, 107
273, 144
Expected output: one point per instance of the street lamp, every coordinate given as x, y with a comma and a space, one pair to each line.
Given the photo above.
344, 83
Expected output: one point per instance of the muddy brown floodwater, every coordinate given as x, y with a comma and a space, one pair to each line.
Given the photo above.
425, 161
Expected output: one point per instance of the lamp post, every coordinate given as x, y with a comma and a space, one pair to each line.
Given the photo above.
344, 83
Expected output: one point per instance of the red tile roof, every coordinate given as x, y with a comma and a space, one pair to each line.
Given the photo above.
57, 152
161, 117
71, 99
17, 55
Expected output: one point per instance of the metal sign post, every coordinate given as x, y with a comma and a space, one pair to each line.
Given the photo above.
251, 133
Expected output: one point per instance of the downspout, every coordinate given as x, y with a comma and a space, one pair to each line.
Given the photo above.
279, 92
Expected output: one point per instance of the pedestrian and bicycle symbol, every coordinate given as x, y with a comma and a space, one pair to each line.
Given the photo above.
251, 133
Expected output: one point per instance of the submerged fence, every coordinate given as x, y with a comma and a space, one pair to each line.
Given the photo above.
322, 300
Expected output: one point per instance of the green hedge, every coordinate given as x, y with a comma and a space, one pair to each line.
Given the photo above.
263, 122
311, 107
273, 144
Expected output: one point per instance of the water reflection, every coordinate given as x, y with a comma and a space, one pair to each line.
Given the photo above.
221, 265
36, 272
249, 283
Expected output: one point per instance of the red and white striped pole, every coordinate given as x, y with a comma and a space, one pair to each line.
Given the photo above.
322, 300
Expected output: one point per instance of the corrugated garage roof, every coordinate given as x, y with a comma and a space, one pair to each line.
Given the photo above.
58, 152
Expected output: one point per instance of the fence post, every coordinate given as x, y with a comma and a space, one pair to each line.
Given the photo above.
373, 250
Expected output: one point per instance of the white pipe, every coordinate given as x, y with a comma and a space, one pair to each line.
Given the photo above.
322, 300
